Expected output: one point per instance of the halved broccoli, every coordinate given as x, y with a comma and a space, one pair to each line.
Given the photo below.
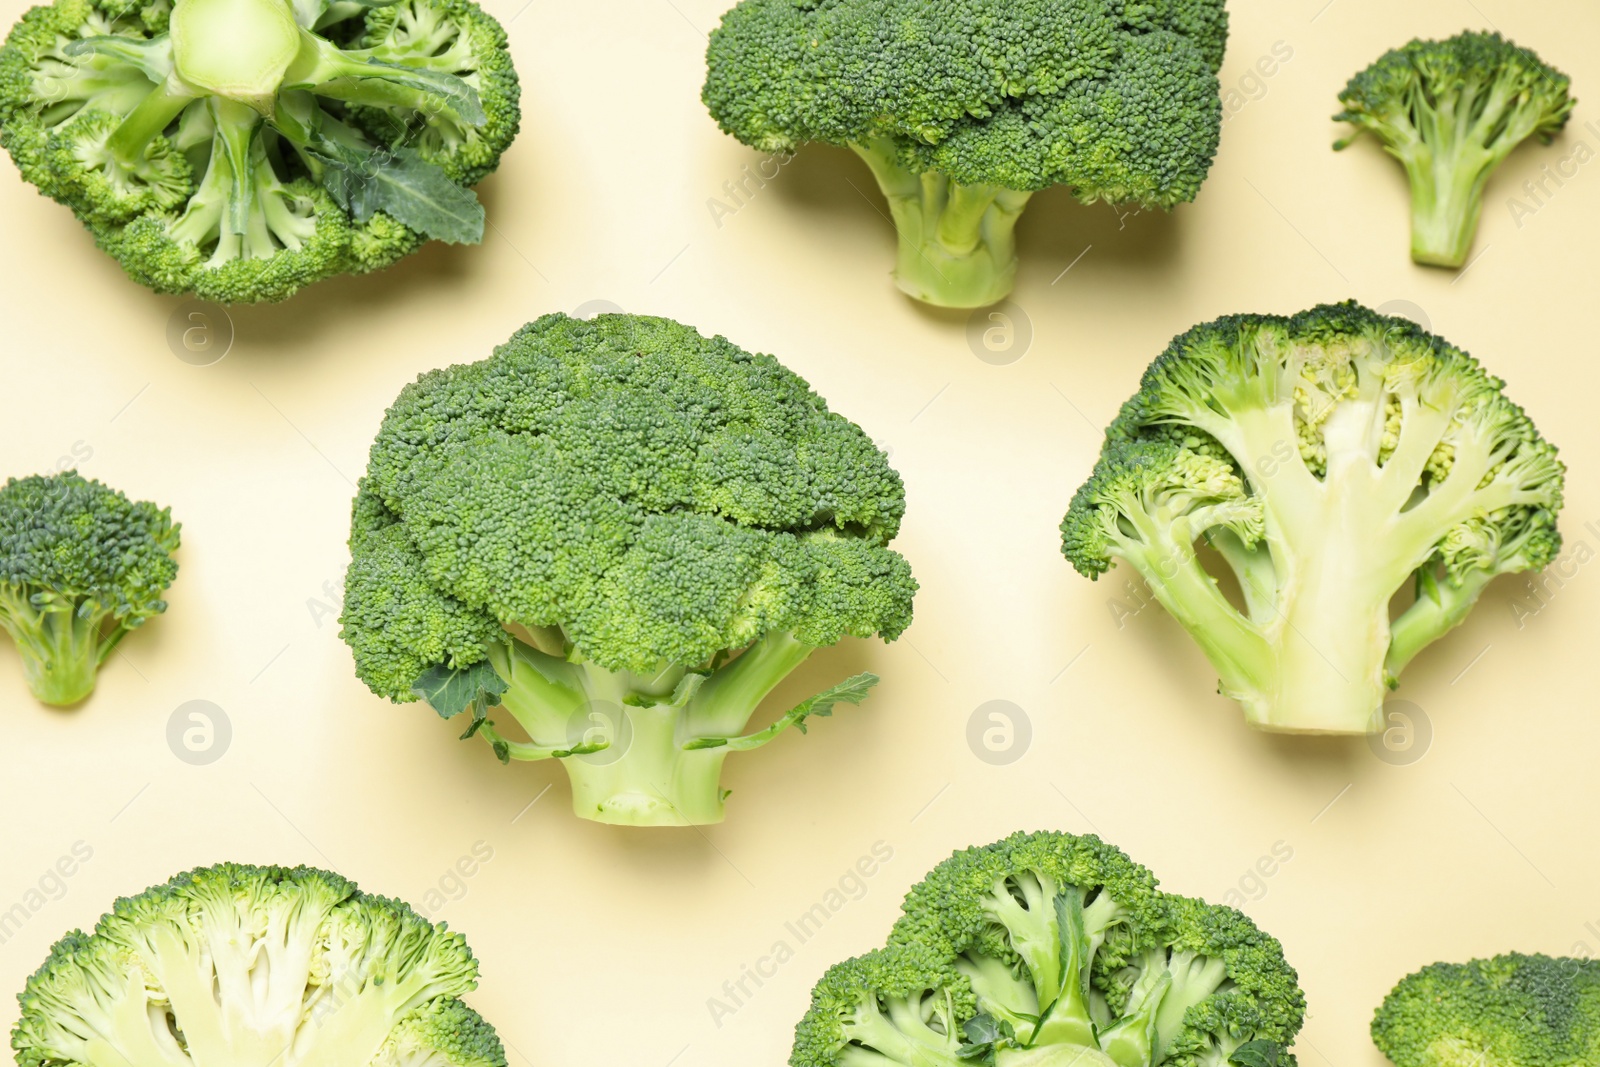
256, 967
242, 149
1049, 950
1451, 112
625, 534
1329, 459
80, 566
1509, 1011
965, 108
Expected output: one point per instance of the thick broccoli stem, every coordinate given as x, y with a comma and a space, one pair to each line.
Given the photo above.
1449, 154
957, 242
236, 49
632, 767
653, 782
61, 649
1446, 202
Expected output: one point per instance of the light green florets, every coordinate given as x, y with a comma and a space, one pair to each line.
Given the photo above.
236, 963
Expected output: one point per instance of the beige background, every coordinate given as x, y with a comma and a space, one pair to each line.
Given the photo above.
605, 946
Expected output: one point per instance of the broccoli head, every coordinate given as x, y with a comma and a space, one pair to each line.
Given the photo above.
1328, 459
624, 535
257, 966
1451, 112
963, 110
1049, 950
1509, 1011
242, 149
80, 566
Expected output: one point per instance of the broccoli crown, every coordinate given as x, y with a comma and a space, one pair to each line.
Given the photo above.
236, 963
69, 543
1509, 1011
242, 149
80, 566
1328, 458
1118, 101
1413, 93
659, 496
1050, 948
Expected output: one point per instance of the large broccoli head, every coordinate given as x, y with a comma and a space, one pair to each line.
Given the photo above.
1509, 1011
1047, 949
242, 149
80, 566
1451, 111
965, 109
626, 533
1329, 459
235, 964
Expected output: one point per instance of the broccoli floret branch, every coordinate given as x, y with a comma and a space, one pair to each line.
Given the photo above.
1451, 112
80, 566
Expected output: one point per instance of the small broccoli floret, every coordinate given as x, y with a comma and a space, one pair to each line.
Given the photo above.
1329, 459
1048, 950
625, 535
80, 566
965, 109
1451, 112
1509, 1011
235, 964
243, 149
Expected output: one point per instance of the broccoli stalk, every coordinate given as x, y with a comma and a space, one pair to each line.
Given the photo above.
1451, 112
63, 641
1331, 460
235, 964
1047, 950
618, 537
640, 750
957, 242
80, 566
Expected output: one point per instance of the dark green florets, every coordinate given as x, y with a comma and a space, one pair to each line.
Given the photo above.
365, 148
80, 566
658, 495
289, 958
1117, 101
1509, 1011
1048, 948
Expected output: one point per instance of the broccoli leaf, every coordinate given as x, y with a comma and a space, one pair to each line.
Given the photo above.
850, 691
450, 691
402, 184
1257, 1053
